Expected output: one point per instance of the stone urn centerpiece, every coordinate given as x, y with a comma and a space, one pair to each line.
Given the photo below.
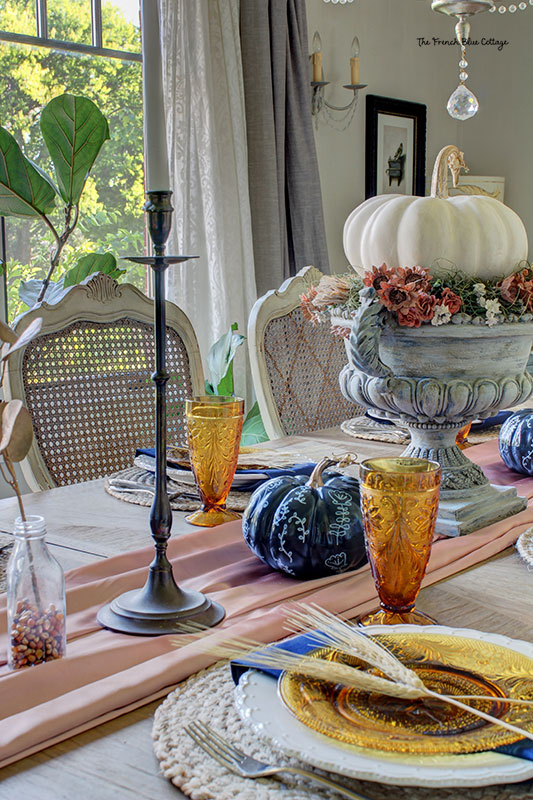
434, 380
437, 345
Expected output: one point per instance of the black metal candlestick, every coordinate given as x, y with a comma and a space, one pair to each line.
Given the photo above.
160, 606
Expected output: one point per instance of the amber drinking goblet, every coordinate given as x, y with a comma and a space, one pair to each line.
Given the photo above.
214, 429
461, 440
399, 501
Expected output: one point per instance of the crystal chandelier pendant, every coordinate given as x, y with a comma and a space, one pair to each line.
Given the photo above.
462, 103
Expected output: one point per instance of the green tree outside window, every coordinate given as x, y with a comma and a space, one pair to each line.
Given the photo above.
111, 218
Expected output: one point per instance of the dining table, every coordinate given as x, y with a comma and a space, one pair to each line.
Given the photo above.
115, 760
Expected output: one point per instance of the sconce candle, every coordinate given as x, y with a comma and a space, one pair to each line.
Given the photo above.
317, 67
354, 71
317, 57
354, 62
155, 138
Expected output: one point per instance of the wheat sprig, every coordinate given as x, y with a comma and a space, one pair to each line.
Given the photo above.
278, 658
353, 641
330, 631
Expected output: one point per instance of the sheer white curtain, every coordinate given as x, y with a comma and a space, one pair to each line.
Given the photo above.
204, 105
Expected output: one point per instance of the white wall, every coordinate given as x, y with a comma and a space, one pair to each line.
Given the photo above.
497, 141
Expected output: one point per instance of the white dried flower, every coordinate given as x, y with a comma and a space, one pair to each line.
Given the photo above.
494, 319
494, 315
479, 288
441, 315
493, 307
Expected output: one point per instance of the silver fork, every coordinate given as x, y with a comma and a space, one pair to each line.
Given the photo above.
247, 767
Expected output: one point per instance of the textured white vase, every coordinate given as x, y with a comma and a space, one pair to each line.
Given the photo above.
435, 380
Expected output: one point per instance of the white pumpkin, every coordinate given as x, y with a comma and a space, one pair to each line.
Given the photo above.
473, 233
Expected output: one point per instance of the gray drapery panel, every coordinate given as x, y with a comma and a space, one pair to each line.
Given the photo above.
285, 197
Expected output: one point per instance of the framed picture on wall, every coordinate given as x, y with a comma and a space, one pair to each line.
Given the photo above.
395, 151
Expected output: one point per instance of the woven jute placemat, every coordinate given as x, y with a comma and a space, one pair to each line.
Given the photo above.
183, 496
208, 696
366, 428
6, 546
524, 545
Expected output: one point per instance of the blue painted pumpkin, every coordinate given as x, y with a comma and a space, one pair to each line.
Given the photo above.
516, 441
307, 527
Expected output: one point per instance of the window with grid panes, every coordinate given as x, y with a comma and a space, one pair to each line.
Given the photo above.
90, 48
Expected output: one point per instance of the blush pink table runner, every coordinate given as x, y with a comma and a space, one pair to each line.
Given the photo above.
107, 674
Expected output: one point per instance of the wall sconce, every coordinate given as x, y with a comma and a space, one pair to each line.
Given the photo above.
319, 104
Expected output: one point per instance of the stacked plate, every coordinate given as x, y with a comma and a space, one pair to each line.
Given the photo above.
436, 747
252, 466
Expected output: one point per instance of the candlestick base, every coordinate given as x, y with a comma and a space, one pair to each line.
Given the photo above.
160, 607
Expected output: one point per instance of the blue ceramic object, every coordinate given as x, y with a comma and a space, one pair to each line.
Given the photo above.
516, 441
307, 527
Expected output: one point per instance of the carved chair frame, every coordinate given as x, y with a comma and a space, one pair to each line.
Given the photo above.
99, 299
275, 303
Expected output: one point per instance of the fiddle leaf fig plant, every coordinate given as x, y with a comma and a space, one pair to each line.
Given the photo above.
220, 382
74, 131
89, 264
25, 192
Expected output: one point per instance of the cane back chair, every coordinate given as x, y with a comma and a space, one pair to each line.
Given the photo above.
295, 364
86, 380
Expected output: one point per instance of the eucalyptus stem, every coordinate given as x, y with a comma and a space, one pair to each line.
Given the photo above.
13, 482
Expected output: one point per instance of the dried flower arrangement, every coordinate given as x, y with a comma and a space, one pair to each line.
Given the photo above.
414, 297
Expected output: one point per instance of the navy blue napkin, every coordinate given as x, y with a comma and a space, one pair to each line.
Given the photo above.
306, 642
491, 422
252, 484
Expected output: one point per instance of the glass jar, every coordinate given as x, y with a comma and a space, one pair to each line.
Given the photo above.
35, 598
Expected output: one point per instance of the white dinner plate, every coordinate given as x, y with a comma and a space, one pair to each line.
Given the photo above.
186, 476
239, 479
258, 703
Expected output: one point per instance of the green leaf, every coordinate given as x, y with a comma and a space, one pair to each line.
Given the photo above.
29, 291
74, 131
219, 361
44, 175
253, 430
23, 190
89, 264
226, 387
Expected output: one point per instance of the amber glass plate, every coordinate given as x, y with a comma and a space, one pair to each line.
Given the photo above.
447, 664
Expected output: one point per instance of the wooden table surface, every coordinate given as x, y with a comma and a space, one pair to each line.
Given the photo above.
115, 761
